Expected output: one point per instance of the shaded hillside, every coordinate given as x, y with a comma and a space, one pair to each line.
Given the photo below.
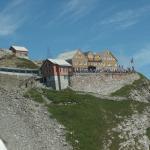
15, 62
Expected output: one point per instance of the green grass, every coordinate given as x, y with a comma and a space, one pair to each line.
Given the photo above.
15, 62
89, 118
59, 97
125, 91
25, 63
35, 95
148, 133
86, 117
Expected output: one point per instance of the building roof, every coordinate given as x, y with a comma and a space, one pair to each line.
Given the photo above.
60, 62
108, 52
67, 55
88, 52
19, 48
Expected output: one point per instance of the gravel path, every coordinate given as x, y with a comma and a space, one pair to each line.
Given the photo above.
25, 124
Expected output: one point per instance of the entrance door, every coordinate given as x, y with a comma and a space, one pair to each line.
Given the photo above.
91, 68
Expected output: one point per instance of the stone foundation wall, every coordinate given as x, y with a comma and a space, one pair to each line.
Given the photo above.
14, 81
11, 81
101, 83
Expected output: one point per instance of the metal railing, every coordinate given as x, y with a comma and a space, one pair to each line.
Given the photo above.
20, 70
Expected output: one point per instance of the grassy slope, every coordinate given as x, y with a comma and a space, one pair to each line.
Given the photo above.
12, 61
25, 63
148, 133
125, 91
32, 93
87, 118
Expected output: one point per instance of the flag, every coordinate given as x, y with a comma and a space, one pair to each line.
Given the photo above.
132, 61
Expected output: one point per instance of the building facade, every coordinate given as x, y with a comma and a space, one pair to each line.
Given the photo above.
94, 60
19, 51
109, 61
90, 61
76, 58
56, 73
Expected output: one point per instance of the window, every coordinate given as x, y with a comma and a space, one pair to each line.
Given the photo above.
85, 63
65, 69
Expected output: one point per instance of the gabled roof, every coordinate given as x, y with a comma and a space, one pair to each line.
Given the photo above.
19, 48
67, 55
97, 53
60, 62
86, 53
109, 52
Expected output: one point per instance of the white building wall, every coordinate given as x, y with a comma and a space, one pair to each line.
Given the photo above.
64, 81
58, 83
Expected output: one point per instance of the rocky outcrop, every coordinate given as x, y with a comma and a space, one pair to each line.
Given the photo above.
102, 83
141, 92
25, 124
131, 133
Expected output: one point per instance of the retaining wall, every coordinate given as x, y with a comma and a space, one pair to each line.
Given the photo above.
101, 83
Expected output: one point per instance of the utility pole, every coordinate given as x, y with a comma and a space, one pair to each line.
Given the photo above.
49, 55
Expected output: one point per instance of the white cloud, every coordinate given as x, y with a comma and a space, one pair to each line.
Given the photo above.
124, 60
126, 18
142, 58
11, 17
142, 61
78, 8
74, 10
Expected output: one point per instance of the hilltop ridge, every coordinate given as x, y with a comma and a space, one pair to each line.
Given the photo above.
15, 62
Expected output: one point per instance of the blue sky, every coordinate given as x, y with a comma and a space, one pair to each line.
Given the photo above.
48, 27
